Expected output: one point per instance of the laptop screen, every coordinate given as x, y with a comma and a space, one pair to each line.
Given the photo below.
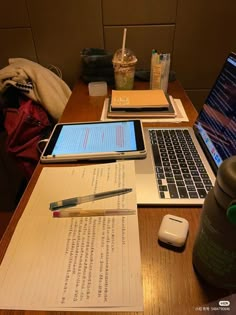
216, 123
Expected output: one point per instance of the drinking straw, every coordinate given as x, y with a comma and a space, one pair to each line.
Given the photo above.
123, 44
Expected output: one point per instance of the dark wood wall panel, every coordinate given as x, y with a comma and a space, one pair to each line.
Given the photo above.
13, 14
61, 29
16, 42
198, 97
135, 12
205, 34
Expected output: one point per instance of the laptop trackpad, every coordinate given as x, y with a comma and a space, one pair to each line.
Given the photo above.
144, 166
146, 188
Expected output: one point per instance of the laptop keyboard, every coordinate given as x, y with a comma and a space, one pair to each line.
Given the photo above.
179, 170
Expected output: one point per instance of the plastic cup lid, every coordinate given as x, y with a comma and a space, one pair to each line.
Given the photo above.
129, 57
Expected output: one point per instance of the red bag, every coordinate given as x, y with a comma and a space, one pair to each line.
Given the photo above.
25, 126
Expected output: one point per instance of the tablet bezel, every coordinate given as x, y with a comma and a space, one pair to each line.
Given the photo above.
140, 152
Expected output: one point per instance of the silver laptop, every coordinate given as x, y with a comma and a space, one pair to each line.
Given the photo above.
181, 163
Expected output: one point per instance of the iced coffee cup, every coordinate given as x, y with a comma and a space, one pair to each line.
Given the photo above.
124, 69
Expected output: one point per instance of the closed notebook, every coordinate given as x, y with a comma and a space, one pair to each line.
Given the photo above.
140, 99
138, 113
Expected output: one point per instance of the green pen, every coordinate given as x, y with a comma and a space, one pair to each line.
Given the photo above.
71, 202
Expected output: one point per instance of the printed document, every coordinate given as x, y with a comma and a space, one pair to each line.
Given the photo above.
75, 263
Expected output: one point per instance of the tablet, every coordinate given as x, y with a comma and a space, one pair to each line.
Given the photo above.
96, 140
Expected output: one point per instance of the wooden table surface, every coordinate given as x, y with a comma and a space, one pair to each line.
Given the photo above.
170, 284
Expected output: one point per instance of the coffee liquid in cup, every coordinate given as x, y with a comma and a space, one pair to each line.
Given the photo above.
124, 69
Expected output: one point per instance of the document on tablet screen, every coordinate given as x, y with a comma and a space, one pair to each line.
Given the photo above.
95, 138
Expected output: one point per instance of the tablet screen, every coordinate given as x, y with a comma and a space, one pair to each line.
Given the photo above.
95, 137
92, 138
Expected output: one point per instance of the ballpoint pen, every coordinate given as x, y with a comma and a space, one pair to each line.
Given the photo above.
78, 200
91, 213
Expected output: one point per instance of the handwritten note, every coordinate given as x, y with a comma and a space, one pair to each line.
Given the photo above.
92, 263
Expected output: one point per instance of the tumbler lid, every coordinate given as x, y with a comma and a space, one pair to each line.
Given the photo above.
226, 176
231, 213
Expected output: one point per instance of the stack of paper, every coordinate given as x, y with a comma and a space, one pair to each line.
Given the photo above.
176, 103
75, 263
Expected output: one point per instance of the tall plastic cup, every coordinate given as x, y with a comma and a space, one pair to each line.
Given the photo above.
124, 70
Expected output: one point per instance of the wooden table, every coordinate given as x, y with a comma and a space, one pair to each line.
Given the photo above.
170, 284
